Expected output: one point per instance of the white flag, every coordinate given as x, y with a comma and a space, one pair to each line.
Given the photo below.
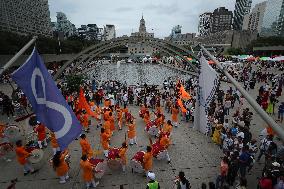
208, 82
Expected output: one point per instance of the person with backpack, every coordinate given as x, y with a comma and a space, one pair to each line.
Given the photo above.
181, 182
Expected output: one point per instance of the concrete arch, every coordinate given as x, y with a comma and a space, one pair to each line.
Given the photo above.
106, 45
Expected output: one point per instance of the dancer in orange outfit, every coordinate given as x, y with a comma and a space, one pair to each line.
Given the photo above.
105, 137
98, 114
159, 121
60, 166
41, 135
167, 129
85, 121
107, 127
125, 111
86, 147
111, 120
165, 142
143, 109
122, 155
175, 112
22, 156
119, 114
54, 144
146, 117
159, 109
148, 160
87, 169
132, 133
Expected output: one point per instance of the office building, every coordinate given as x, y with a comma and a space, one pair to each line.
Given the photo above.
25, 17
221, 20
242, 7
254, 20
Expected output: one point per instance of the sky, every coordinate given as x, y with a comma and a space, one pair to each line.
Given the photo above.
160, 15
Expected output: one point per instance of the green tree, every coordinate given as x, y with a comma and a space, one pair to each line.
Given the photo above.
74, 82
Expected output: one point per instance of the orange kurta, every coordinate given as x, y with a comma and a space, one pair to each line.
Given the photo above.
106, 115
63, 168
122, 155
131, 131
167, 128
175, 112
105, 140
148, 161
87, 168
53, 140
107, 126
22, 155
119, 117
86, 147
165, 142
111, 120
97, 113
146, 118
85, 121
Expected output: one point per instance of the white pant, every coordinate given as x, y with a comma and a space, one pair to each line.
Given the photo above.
63, 178
106, 153
28, 167
92, 182
133, 140
168, 156
55, 150
40, 143
175, 124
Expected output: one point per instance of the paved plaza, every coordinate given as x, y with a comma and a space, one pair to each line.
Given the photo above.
191, 152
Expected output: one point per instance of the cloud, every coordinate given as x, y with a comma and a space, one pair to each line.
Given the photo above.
123, 9
162, 8
160, 15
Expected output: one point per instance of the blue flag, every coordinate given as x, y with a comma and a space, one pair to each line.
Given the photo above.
47, 101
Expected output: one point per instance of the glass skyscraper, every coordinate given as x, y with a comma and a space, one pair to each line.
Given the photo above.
273, 20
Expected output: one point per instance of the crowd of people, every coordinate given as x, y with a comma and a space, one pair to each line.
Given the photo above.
229, 119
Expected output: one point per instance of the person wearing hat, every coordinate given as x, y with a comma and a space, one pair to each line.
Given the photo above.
85, 145
152, 184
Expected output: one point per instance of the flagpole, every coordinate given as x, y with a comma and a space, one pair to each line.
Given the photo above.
251, 101
16, 56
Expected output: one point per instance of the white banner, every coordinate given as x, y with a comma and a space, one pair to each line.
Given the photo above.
208, 82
